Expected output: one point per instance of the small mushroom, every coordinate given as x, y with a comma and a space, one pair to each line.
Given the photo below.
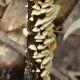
36, 29
41, 47
25, 32
26, 6
45, 33
42, 67
45, 60
32, 47
49, 65
38, 56
47, 41
38, 60
33, 71
36, 7
31, 19
39, 40
39, 37
45, 25
35, 53
48, 72
45, 51
46, 19
46, 55
50, 32
43, 74
38, 70
50, 27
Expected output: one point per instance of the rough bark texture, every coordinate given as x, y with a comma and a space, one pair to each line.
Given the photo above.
30, 40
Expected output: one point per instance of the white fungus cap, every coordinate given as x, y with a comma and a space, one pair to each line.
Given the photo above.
36, 7
45, 60
38, 40
38, 56
38, 70
45, 51
39, 37
38, 60
32, 47
43, 74
41, 47
36, 29
25, 32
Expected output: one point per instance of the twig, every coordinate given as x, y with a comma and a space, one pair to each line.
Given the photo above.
58, 75
12, 44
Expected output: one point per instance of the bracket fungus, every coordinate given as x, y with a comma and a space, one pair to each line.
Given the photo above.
41, 16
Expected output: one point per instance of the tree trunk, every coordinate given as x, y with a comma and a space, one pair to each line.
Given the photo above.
36, 41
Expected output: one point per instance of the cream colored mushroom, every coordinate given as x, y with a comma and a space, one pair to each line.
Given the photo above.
32, 47
45, 25
36, 7
35, 53
38, 56
38, 70
41, 47
47, 54
46, 19
47, 41
31, 19
50, 32
45, 60
39, 37
39, 40
50, 27
42, 67
36, 29
49, 65
48, 72
25, 32
43, 74
45, 51
26, 6
38, 60
45, 33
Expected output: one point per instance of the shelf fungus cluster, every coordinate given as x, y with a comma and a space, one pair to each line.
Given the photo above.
40, 36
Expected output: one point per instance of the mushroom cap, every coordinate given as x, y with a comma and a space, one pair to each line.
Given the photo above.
41, 47
45, 51
39, 37
36, 29
46, 60
36, 7
39, 40
38, 56
32, 47
47, 41
43, 74
25, 32
38, 60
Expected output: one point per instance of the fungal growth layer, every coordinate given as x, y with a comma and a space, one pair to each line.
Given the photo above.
40, 37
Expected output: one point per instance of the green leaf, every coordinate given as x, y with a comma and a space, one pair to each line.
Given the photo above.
56, 10
72, 28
